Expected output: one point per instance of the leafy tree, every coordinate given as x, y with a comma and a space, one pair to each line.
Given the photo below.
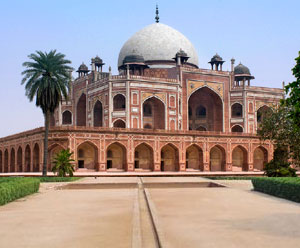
293, 91
46, 79
282, 127
63, 163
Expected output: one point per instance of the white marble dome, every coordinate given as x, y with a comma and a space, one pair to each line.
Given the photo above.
158, 42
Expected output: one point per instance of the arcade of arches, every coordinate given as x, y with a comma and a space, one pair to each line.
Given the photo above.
205, 110
144, 157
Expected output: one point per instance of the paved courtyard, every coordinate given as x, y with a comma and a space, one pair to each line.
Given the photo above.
149, 212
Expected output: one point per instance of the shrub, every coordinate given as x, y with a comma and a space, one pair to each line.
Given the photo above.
63, 163
15, 188
229, 177
279, 168
285, 187
57, 179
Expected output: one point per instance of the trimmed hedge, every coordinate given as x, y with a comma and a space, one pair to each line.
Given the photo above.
58, 179
230, 177
15, 188
283, 187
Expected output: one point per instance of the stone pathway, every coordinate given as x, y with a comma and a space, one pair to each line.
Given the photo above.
91, 216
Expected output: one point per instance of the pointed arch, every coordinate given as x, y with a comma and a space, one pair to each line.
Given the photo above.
169, 156
205, 108
194, 158
52, 151
143, 157
262, 113
12, 160
98, 114
6, 160
19, 159
119, 102
260, 158
154, 113
87, 156
27, 159
217, 158
36, 158
116, 157
239, 159
81, 111
67, 117
236, 110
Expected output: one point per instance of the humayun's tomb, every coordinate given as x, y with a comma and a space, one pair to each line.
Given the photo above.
160, 113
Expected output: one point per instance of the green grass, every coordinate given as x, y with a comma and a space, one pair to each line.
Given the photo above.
230, 177
12, 188
283, 187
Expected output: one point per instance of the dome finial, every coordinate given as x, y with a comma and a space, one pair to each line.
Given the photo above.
157, 16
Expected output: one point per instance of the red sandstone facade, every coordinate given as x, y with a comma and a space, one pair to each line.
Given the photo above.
179, 118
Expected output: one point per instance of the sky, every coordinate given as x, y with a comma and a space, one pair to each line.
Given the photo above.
262, 34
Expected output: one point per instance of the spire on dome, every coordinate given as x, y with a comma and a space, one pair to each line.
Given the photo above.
157, 16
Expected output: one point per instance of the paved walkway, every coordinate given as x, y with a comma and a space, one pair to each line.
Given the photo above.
232, 216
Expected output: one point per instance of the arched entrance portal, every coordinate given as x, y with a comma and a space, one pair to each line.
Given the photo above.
217, 159
12, 160
143, 157
169, 158
87, 156
27, 158
81, 111
98, 114
116, 157
194, 158
19, 160
154, 113
260, 158
205, 110
36, 158
6, 161
52, 151
239, 159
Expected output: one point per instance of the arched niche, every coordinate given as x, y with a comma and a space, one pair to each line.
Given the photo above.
52, 152
143, 157
12, 160
19, 159
98, 114
155, 113
6, 160
217, 159
67, 118
205, 109
262, 113
236, 110
27, 158
239, 159
116, 158
119, 102
260, 158
87, 156
194, 158
81, 111
36, 158
169, 158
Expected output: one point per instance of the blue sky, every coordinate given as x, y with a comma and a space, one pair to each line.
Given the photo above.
264, 35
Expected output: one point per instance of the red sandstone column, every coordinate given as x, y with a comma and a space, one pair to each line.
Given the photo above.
250, 166
130, 166
23, 159
8, 162
157, 167
228, 167
182, 166
102, 166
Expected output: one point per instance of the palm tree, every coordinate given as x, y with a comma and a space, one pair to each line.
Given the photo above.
63, 163
47, 79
